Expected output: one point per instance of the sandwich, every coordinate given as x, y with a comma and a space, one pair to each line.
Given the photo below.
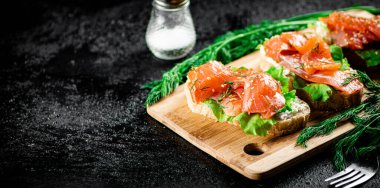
359, 36
261, 103
322, 76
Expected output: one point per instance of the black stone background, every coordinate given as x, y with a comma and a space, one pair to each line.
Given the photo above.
72, 111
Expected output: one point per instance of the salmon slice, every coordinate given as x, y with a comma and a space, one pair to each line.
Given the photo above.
352, 32
232, 105
312, 62
315, 52
332, 78
318, 57
275, 47
209, 80
236, 91
298, 41
263, 95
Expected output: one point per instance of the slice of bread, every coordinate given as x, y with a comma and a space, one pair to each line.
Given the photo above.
338, 101
286, 122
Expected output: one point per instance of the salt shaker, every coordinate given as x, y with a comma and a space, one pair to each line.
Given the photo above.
170, 34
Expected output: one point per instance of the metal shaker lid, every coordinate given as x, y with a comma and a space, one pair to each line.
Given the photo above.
170, 4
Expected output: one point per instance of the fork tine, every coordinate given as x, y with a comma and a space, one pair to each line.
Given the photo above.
359, 181
350, 180
368, 175
348, 176
341, 173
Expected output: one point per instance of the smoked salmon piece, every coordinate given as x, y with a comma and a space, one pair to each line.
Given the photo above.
309, 57
317, 56
209, 80
315, 53
332, 78
352, 32
263, 95
232, 105
236, 91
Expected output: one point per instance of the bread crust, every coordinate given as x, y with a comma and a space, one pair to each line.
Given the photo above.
338, 101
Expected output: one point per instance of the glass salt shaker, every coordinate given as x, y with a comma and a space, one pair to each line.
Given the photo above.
170, 34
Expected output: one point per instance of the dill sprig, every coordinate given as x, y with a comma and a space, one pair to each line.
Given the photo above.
361, 140
231, 46
328, 125
369, 83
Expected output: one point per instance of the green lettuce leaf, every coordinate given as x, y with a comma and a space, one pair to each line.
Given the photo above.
251, 124
289, 98
337, 55
299, 83
345, 65
278, 74
371, 57
318, 92
336, 52
254, 124
217, 110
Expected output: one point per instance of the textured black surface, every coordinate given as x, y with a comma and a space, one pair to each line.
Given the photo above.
72, 111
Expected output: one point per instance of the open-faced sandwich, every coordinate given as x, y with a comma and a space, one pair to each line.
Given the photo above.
358, 33
322, 76
261, 103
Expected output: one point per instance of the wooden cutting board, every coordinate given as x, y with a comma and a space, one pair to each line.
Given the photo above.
253, 156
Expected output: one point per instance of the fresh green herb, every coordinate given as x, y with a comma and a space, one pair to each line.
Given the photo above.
226, 93
364, 138
204, 88
364, 78
192, 86
301, 66
151, 85
371, 57
251, 124
233, 45
368, 82
348, 80
328, 125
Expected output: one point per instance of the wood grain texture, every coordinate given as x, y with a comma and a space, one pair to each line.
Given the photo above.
226, 142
